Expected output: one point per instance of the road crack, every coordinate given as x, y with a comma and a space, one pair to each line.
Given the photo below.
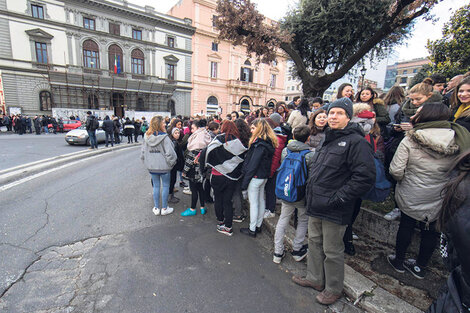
43, 226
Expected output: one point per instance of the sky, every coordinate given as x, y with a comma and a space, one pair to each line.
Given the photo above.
414, 47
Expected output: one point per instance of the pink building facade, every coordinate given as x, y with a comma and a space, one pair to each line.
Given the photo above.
224, 79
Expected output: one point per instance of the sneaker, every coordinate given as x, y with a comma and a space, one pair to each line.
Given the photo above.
326, 298
203, 211
300, 254
258, 230
415, 270
189, 212
277, 258
186, 191
173, 199
156, 211
392, 215
304, 282
224, 230
167, 211
248, 232
355, 237
183, 184
398, 267
268, 214
239, 218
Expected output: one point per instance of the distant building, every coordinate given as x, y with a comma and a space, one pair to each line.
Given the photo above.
401, 73
224, 78
103, 55
367, 83
293, 85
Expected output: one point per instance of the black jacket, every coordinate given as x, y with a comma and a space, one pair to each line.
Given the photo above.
257, 162
91, 124
450, 300
341, 171
108, 126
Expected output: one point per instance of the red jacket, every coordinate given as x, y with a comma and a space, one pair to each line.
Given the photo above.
281, 139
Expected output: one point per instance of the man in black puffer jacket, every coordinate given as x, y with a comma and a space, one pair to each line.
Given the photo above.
108, 127
340, 172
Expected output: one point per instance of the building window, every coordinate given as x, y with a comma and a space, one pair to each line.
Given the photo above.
273, 81
91, 58
140, 104
214, 20
93, 103
170, 71
213, 69
41, 52
212, 105
114, 29
170, 41
45, 101
403, 80
115, 59
137, 34
405, 72
37, 11
275, 63
215, 46
137, 61
89, 23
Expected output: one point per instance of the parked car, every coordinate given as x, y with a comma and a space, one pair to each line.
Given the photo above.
79, 136
68, 125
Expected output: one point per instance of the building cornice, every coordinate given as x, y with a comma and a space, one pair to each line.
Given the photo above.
206, 3
68, 27
150, 17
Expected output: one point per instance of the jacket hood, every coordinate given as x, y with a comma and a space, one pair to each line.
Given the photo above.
265, 143
378, 101
351, 128
438, 141
296, 146
153, 140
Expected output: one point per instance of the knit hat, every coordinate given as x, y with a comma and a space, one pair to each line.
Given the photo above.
276, 118
343, 103
174, 130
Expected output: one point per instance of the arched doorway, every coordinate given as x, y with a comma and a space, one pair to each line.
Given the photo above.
271, 103
245, 104
117, 102
212, 105
45, 100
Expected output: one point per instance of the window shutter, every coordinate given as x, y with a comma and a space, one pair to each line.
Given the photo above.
251, 75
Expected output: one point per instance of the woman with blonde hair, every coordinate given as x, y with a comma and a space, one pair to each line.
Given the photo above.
159, 157
256, 170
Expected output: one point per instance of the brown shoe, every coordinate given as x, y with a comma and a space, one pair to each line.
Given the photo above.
302, 281
327, 298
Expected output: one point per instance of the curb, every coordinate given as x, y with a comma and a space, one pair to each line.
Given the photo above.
362, 291
14, 173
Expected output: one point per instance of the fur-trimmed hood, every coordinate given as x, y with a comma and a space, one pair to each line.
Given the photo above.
438, 142
378, 101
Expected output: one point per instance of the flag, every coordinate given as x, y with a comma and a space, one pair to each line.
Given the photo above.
117, 64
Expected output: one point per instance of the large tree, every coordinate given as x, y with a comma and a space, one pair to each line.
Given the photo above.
450, 55
324, 38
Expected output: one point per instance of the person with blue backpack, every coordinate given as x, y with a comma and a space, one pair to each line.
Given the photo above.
290, 188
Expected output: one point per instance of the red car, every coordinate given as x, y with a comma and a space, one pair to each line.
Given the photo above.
68, 125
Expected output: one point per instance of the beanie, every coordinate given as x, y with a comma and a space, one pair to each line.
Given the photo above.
343, 103
276, 118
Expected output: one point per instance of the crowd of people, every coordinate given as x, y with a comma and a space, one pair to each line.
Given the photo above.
24, 124
321, 160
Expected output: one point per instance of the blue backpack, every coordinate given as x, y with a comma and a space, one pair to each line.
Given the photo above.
381, 189
292, 177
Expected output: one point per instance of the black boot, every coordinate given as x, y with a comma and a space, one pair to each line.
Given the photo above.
248, 232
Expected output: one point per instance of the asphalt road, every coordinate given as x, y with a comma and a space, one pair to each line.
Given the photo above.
83, 239
16, 150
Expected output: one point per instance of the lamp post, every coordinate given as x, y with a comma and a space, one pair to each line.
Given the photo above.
363, 73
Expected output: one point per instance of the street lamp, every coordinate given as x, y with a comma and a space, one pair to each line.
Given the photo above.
363, 73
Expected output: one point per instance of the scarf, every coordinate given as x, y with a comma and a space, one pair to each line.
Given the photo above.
462, 136
462, 108
199, 139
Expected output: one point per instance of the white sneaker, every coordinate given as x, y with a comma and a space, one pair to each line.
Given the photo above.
355, 237
167, 211
156, 211
187, 191
268, 214
392, 215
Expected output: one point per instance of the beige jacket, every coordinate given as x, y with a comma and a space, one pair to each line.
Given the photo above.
296, 119
420, 165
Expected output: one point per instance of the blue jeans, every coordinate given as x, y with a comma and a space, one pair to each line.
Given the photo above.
164, 187
257, 202
46, 129
92, 136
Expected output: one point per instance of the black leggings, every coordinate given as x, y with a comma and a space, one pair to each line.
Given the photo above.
196, 190
223, 193
270, 189
429, 239
347, 238
172, 179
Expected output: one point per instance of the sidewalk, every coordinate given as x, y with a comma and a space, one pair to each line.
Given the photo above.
362, 291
